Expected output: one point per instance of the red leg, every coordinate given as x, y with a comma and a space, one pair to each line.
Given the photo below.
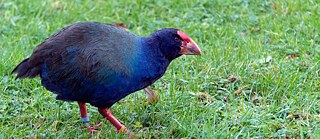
85, 118
83, 112
105, 112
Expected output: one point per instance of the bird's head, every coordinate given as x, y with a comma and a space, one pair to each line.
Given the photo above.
174, 43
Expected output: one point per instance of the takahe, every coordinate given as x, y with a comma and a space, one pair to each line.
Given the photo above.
100, 64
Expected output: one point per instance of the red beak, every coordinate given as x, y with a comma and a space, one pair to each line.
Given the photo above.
188, 47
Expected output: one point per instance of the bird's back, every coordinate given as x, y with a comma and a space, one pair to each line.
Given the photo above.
84, 61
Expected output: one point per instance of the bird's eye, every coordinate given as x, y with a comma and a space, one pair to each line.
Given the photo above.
177, 39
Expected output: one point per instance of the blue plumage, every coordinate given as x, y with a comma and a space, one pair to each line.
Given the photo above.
100, 63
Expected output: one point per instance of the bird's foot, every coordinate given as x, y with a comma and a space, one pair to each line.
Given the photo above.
124, 130
94, 129
153, 97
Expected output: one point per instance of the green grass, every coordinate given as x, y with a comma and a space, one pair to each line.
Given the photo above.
232, 91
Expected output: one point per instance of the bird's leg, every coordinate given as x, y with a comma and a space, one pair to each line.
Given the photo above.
83, 112
84, 118
105, 112
152, 95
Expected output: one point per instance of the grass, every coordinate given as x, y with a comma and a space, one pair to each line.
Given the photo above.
258, 76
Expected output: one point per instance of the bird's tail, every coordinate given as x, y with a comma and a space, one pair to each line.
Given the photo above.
25, 70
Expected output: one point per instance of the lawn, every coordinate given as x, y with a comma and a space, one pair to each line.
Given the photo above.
258, 77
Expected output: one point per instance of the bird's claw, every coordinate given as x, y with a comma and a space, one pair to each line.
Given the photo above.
93, 129
152, 95
124, 130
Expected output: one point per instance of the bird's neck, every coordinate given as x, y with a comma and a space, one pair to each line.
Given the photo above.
151, 64
153, 48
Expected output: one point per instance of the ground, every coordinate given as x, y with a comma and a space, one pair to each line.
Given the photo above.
258, 76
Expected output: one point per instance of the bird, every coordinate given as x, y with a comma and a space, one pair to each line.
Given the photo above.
100, 63
152, 95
